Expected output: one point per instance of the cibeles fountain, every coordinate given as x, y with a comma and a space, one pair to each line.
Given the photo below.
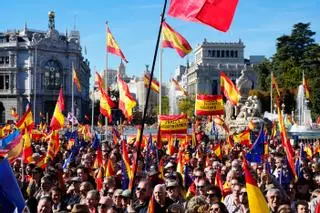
248, 108
304, 127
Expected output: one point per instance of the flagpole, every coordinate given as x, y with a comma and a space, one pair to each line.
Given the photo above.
72, 104
271, 91
148, 93
106, 72
92, 110
160, 81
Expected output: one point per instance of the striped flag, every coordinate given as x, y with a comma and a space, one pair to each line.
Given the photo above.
113, 47
126, 161
126, 101
57, 120
172, 39
26, 121
99, 80
106, 104
14, 113
110, 169
229, 90
53, 145
15, 148
257, 202
306, 87
27, 149
179, 87
154, 84
275, 84
75, 78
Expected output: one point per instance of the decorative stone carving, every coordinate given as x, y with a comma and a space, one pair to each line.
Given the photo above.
244, 85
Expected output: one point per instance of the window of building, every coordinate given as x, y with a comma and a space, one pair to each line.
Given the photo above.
7, 59
231, 53
4, 82
236, 54
209, 53
1, 60
218, 53
52, 75
214, 87
222, 53
227, 53
213, 53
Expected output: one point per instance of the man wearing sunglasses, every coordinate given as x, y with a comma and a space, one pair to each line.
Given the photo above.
174, 192
143, 194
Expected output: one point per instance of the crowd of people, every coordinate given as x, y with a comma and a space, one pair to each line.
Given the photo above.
72, 181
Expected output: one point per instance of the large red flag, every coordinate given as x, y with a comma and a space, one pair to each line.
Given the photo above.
215, 13
57, 120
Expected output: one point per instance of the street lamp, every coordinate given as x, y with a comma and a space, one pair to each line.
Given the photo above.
282, 107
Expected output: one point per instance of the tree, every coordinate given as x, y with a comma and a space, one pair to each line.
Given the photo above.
164, 106
296, 54
186, 106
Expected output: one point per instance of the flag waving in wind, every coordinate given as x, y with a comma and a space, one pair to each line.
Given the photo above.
57, 120
229, 90
215, 13
172, 39
113, 47
75, 78
126, 101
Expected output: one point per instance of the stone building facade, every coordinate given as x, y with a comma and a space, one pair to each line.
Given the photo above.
212, 57
34, 65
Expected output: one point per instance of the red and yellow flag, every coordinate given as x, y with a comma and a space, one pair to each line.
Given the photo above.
106, 104
27, 149
285, 140
306, 87
257, 202
53, 145
218, 181
57, 120
26, 121
209, 105
179, 87
151, 206
173, 124
275, 84
113, 47
126, 101
217, 151
154, 84
126, 161
110, 169
99, 80
15, 148
229, 90
75, 78
172, 39
243, 138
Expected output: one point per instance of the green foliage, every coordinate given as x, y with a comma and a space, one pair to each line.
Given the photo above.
186, 106
296, 53
164, 106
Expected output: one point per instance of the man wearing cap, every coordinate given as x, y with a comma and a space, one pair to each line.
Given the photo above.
125, 199
73, 192
153, 177
173, 192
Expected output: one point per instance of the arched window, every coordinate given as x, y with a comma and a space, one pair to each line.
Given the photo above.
52, 75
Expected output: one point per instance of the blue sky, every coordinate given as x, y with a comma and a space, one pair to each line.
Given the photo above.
134, 24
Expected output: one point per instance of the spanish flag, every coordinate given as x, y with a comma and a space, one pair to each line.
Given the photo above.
106, 104
229, 90
27, 149
154, 84
26, 121
306, 87
15, 148
179, 87
57, 120
126, 161
99, 80
218, 181
110, 169
113, 47
151, 205
217, 151
285, 140
243, 138
53, 145
257, 202
75, 78
275, 84
180, 163
126, 101
172, 39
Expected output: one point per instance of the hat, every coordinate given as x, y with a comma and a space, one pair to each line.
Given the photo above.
172, 184
80, 208
126, 193
118, 192
75, 179
153, 171
169, 165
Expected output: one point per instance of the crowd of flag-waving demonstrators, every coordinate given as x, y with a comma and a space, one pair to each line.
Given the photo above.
65, 171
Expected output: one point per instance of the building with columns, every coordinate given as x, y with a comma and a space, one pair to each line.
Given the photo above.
212, 57
34, 65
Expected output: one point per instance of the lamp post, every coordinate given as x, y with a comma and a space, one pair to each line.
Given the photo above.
282, 108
